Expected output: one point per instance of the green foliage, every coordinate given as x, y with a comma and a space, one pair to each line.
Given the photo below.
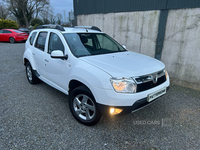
36, 22
10, 24
35, 26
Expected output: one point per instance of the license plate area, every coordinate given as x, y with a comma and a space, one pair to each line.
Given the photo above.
156, 94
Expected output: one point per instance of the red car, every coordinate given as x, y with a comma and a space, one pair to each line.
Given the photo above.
12, 36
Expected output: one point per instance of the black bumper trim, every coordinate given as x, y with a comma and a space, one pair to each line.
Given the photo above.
139, 104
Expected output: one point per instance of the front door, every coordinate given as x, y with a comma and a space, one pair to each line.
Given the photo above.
56, 70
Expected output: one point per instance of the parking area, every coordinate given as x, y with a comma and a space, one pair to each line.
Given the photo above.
38, 117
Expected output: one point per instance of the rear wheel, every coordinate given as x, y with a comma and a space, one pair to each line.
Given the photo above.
83, 106
12, 40
32, 78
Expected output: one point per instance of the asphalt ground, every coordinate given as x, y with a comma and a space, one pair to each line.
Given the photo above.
38, 117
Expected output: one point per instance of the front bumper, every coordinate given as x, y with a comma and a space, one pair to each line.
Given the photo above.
139, 104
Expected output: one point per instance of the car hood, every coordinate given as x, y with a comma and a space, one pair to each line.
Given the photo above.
125, 64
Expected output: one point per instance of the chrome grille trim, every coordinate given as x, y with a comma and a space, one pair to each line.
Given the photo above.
149, 77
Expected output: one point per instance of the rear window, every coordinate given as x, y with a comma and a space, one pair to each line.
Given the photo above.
31, 40
40, 43
17, 31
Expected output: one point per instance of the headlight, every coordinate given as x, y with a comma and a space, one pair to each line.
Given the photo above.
123, 85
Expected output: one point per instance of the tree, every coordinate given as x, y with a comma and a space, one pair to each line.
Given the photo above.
39, 6
3, 11
22, 10
47, 15
36, 21
52, 19
59, 18
25, 10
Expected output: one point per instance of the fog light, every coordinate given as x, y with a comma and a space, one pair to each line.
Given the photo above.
166, 74
115, 111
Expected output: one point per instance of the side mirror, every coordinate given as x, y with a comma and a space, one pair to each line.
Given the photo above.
59, 54
124, 46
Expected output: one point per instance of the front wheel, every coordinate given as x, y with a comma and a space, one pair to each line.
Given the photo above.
83, 106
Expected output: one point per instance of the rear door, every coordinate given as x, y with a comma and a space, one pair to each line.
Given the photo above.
39, 51
6, 35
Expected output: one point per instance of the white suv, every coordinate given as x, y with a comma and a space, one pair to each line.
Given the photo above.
99, 75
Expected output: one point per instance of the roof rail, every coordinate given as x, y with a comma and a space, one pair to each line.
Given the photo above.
50, 26
89, 27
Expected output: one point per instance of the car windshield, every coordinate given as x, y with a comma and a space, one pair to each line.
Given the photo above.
87, 44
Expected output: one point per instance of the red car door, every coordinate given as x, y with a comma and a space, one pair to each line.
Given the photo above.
1, 35
6, 35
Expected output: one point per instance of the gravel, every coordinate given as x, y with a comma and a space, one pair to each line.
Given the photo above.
38, 117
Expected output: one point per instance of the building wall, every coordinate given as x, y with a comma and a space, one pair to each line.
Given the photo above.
139, 30
136, 30
181, 50
83, 7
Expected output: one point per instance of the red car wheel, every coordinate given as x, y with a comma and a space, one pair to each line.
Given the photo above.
12, 40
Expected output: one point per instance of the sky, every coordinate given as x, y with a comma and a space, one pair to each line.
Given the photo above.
60, 5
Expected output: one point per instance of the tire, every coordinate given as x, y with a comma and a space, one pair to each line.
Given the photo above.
12, 40
32, 78
83, 106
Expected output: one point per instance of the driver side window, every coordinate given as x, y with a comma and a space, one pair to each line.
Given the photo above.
55, 43
106, 43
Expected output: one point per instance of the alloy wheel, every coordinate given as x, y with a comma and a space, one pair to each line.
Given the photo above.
84, 107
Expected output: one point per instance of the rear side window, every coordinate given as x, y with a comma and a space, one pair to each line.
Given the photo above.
41, 40
16, 31
31, 40
6, 31
1, 31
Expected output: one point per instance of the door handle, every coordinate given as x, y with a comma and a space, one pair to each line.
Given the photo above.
46, 60
33, 54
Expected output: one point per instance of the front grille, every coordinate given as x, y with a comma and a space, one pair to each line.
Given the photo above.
148, 85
